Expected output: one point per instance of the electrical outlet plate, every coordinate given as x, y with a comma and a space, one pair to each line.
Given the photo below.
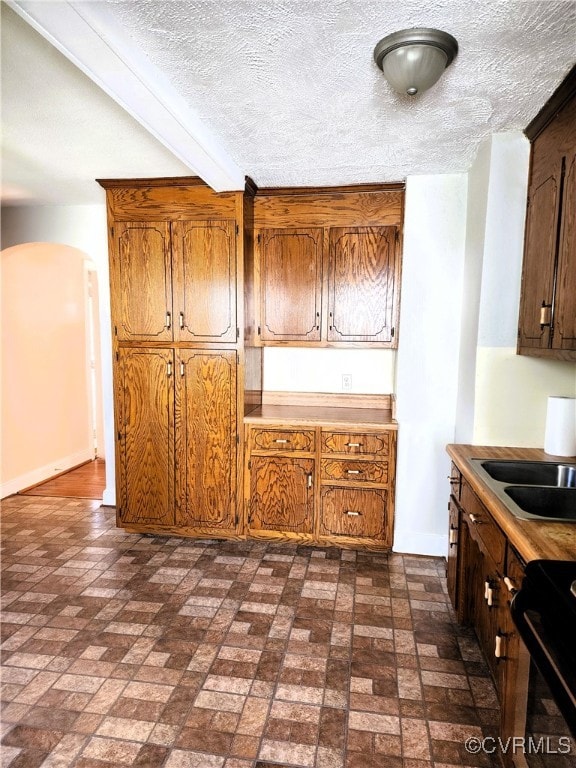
346, 382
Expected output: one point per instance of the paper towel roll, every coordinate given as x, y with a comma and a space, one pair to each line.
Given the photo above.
560, 435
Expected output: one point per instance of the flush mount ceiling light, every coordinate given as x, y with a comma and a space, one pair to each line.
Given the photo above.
413, 60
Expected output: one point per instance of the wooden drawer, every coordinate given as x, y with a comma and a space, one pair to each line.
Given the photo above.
356, 443
354, 512
482, 528
358, 471
282, 440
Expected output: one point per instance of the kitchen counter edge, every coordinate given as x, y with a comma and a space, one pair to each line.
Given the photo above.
532, 539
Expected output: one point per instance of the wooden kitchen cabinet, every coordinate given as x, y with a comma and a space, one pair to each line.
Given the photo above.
180, 268
144, 411
321, 485
290, 266
547, 319
174, 281
281, 495
328, 266
362, 284
484, 572
356, 475
205, 439
177, 403
282, 482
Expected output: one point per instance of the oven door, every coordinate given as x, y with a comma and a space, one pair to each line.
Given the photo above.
544, 611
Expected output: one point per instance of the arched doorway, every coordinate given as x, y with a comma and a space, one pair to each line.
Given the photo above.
51, 396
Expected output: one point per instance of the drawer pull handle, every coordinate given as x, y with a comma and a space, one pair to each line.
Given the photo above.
353, 472
280, 440
498, 646
350, 513
353, 445
510, 585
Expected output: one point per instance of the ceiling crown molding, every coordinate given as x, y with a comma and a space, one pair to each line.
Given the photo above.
92, 41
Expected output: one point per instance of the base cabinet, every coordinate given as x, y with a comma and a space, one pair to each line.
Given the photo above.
281, 494
320, 485
484, 572
177, 403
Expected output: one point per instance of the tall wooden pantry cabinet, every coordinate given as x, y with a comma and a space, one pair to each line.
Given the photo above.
180, 269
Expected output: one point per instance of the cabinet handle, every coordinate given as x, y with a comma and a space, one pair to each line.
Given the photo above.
168, 320
310, 480
352, 445
486, 589
281, 440
353, 472
545, 315
498, 646
350, 513
168, 369
473, 518
317, 321
489, 598
510, 585
181, 315
453, 537
182, 368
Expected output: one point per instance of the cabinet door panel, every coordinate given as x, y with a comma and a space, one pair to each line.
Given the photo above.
205, 255
281, 494
206, 438
362, 284
145, 425
565, 309
538, 268
354, 512
141, 281
290, 284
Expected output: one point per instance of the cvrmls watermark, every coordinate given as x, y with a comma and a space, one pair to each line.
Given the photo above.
545, 745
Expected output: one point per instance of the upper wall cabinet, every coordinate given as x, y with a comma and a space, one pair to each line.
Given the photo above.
547, 322
328, 265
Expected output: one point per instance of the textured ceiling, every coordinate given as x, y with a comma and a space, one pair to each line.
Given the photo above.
291, 91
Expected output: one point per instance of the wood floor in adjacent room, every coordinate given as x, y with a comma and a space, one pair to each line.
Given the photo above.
85, 482
121, 649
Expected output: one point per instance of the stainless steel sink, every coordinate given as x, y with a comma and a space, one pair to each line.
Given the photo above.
532, 490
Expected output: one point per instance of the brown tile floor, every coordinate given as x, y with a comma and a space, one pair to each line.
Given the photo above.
127, 650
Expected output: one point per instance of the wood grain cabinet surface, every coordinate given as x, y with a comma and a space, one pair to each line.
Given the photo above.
328, 266
320, 485
547, 321
484, 572
179, 268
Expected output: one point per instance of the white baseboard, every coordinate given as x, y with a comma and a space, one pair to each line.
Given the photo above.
413, 543
40, 474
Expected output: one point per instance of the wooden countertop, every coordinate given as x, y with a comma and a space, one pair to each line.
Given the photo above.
303, 415
532, 539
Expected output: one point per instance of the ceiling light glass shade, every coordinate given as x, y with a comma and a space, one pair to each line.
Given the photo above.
413, 60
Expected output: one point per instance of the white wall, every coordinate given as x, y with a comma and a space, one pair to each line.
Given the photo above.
511, 390
83, 227
296, 369
46, 413
428, 357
